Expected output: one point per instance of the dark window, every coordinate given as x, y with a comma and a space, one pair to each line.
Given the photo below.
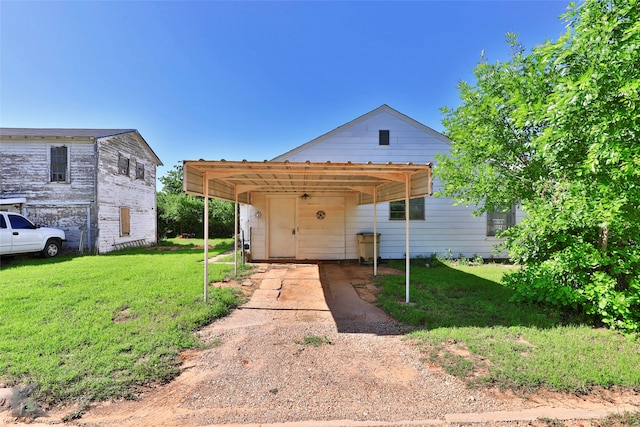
383, 137
123, 165
139, 170
58, 164
3, 223
125, 221
18, 222
416, 209
500, 220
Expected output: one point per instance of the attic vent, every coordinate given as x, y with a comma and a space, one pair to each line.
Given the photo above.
383, 137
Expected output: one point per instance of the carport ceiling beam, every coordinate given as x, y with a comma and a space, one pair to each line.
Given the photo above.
280, 173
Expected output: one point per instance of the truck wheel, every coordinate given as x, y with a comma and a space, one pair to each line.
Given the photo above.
51, 249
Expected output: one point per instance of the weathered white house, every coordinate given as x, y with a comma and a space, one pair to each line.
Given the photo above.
98, 185
315, 224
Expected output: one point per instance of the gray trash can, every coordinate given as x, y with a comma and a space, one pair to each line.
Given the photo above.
365, 247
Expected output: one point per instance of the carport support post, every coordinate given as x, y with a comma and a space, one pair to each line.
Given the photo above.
206, 238
375, 233
406, 238
235, 233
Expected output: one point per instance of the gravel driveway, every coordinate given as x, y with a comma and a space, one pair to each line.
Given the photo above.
298, 352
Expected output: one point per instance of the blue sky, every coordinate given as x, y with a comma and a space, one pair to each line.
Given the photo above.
246, 80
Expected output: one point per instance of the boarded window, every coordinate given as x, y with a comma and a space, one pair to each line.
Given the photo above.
500, 220
383, 137
123, 165
125, 222
139, 170
416, 209
59, 164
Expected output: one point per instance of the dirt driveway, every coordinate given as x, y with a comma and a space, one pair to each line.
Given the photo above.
308, 350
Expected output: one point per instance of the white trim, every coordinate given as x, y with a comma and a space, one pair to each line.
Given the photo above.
13, 201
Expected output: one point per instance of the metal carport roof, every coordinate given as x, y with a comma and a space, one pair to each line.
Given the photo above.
236, 181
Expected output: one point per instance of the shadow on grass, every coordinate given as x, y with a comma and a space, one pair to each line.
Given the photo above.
444, 297
164, 247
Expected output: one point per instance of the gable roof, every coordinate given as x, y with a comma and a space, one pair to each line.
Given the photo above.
384, 108
25, 133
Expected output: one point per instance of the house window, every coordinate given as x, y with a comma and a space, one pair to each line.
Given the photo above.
125, 222
416, 209
383, 137
59, 164
139, 170
500, 220
123, 165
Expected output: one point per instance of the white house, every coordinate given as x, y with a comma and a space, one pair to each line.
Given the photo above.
320, 225
98, 185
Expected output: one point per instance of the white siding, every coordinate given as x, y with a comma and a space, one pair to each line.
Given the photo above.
446, 227
117, 191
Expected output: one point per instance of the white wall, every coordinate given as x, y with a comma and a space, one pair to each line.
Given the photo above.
446, 227
116, 191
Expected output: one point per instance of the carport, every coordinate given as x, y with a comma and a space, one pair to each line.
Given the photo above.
238, 181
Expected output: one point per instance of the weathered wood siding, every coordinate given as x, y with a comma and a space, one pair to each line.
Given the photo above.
117, 191
25, 171
446, 227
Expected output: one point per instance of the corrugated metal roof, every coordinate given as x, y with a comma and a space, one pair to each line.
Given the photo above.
226, 179
62, 133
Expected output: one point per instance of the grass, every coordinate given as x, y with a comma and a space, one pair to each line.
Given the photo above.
624, 419
466, 324
314, 341
96, 327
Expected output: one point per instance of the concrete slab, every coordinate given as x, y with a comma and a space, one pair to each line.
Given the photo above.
271, 283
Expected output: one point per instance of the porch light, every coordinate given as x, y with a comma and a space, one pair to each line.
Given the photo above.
305, 196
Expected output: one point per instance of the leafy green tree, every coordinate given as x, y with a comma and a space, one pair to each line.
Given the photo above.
179, 212
557, 131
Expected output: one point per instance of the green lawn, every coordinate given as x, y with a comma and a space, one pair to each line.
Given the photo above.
467, 324
95, 327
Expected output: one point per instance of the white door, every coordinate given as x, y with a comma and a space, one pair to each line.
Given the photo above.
282, 227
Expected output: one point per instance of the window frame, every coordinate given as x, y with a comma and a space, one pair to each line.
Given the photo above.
384, 137
500, 220
397, 210
139, 170
55, 164
122, 169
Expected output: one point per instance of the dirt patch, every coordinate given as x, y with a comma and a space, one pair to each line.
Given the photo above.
364, 282
161, 248
123, 315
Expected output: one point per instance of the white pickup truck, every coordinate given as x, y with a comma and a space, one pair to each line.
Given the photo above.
18, 235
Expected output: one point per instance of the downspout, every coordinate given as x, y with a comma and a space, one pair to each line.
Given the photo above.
88, 229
